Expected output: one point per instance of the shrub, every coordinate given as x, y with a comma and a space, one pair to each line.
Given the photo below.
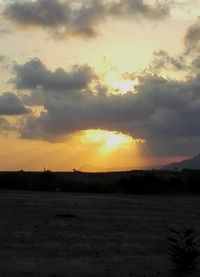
183, 249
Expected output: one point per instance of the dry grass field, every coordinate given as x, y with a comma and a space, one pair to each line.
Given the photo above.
65, 234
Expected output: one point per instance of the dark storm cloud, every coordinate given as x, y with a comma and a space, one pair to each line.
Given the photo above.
10, 104
34, 74
174, 146
81, 18
163, 111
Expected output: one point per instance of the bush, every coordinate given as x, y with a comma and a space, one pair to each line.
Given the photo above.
183, 249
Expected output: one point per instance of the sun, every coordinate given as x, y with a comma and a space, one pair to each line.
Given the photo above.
116, 139
120, 85
106, 139
124, 86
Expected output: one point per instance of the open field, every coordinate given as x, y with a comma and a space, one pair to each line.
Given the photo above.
65, 234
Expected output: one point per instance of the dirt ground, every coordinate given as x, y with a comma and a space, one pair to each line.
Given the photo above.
58, 234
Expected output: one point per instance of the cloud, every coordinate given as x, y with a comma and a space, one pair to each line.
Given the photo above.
163, 112
162, 60
139, 8
188, 61
81, 18
10, 104
44, 13
34, 74
4, 125
4, 27
196, 63
4, 62
192, 38
2, 59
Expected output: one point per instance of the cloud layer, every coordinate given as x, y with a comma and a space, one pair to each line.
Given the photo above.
79, 18
163, 112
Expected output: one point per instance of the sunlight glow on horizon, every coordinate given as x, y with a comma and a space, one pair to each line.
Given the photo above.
91, 147
107, 146
108, 142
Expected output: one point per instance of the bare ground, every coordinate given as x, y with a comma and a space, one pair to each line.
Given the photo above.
57, 234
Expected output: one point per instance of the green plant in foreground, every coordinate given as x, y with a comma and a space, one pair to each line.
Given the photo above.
183, 249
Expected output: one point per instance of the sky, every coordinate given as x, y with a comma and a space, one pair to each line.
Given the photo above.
98, 85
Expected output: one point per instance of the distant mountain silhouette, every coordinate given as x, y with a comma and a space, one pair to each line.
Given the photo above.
193, 163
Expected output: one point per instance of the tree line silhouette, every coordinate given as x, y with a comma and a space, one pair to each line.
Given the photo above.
133, 182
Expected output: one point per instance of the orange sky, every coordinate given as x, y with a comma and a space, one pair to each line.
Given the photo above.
96, 100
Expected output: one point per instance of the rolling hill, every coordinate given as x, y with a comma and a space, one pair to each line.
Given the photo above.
193, 163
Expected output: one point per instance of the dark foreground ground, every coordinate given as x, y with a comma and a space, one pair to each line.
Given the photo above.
58, 234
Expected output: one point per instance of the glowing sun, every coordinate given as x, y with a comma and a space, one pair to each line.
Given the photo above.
121, 85
124, 85
107, 139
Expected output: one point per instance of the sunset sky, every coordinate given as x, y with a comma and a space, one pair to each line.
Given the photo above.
94, 84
